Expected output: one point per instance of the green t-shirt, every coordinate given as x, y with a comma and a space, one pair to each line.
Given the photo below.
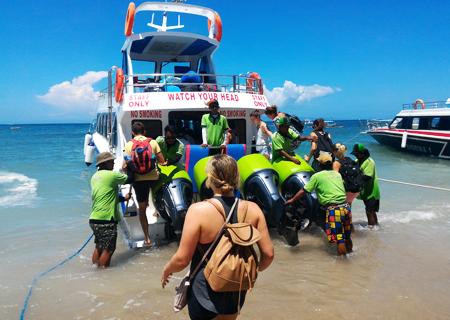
329, 187
105, 194
215, 129
371, 189
171, 153
280, 142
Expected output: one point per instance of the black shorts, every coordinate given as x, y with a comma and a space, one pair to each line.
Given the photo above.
142, 189
105, 234
196, 310
372, 205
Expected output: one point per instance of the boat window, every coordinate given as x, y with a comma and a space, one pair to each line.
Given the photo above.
143, 67
153, 128
435, 123
415, 123
175, 67
424, 123
188, 125
101, 124
238, 127
444, 124
397, 123
142, 71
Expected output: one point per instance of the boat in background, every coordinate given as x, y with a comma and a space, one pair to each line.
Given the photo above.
332, 124
421, 127
372, 124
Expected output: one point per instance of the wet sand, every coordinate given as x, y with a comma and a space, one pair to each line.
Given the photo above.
400, 271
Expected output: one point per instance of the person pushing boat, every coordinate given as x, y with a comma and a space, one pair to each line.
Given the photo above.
370, 193
282, 142
105, 214
330, 190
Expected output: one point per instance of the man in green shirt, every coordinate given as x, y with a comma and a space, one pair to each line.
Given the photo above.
282, 142
330, 191
370, 193
105, 214
171, 148
214, 129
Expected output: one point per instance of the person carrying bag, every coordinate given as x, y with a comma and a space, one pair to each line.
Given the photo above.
217, 240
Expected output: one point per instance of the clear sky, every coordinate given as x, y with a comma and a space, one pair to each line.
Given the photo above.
344, 59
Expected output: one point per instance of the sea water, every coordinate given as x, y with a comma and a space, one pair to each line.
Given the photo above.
401, 270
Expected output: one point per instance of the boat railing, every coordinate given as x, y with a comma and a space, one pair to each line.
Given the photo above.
173, 82
426, 105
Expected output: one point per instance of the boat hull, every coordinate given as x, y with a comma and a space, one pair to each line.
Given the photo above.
437, 145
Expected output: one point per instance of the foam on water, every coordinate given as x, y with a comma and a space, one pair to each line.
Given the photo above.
17, 189
409, 216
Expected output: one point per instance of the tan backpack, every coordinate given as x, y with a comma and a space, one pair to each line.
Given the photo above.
233, 265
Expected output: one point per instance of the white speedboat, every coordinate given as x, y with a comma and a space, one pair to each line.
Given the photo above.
421, 127
166, 77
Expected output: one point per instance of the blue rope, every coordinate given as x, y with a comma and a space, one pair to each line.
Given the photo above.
43, 274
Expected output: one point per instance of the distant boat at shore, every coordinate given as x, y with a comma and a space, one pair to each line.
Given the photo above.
328, 123
420, 127
15, 128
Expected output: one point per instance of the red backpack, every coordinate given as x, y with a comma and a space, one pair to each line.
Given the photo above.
142, 159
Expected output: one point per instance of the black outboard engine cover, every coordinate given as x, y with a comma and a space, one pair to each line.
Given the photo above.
173, 201
307, 206
261, 188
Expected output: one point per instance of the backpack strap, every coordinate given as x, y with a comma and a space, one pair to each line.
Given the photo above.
245, 211
219, 234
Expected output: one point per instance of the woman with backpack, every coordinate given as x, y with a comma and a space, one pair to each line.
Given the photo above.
321, 143
350, 172
203, 236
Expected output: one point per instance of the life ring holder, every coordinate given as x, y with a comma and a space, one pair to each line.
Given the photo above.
252, 79
419, 102
129, 21
118, 88
218, 27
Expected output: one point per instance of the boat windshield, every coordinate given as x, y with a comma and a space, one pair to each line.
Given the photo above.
188, 124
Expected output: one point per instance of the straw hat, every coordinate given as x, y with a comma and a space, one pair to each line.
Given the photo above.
324, 157
104, 157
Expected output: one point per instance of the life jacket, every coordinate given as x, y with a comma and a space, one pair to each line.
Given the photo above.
352, 175
233, 265
324, 143
142, 159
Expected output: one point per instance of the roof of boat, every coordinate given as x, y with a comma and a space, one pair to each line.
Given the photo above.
164, 46
425, 112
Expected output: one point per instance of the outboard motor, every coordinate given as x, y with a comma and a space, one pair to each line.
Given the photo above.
292, 178
200, 179
259, 183
305, 207
173, 196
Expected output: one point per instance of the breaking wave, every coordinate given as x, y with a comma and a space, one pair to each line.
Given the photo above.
17, 189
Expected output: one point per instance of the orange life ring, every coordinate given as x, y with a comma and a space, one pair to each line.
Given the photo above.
118, 89
253, 78
419, 101
218, 31
129, 21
